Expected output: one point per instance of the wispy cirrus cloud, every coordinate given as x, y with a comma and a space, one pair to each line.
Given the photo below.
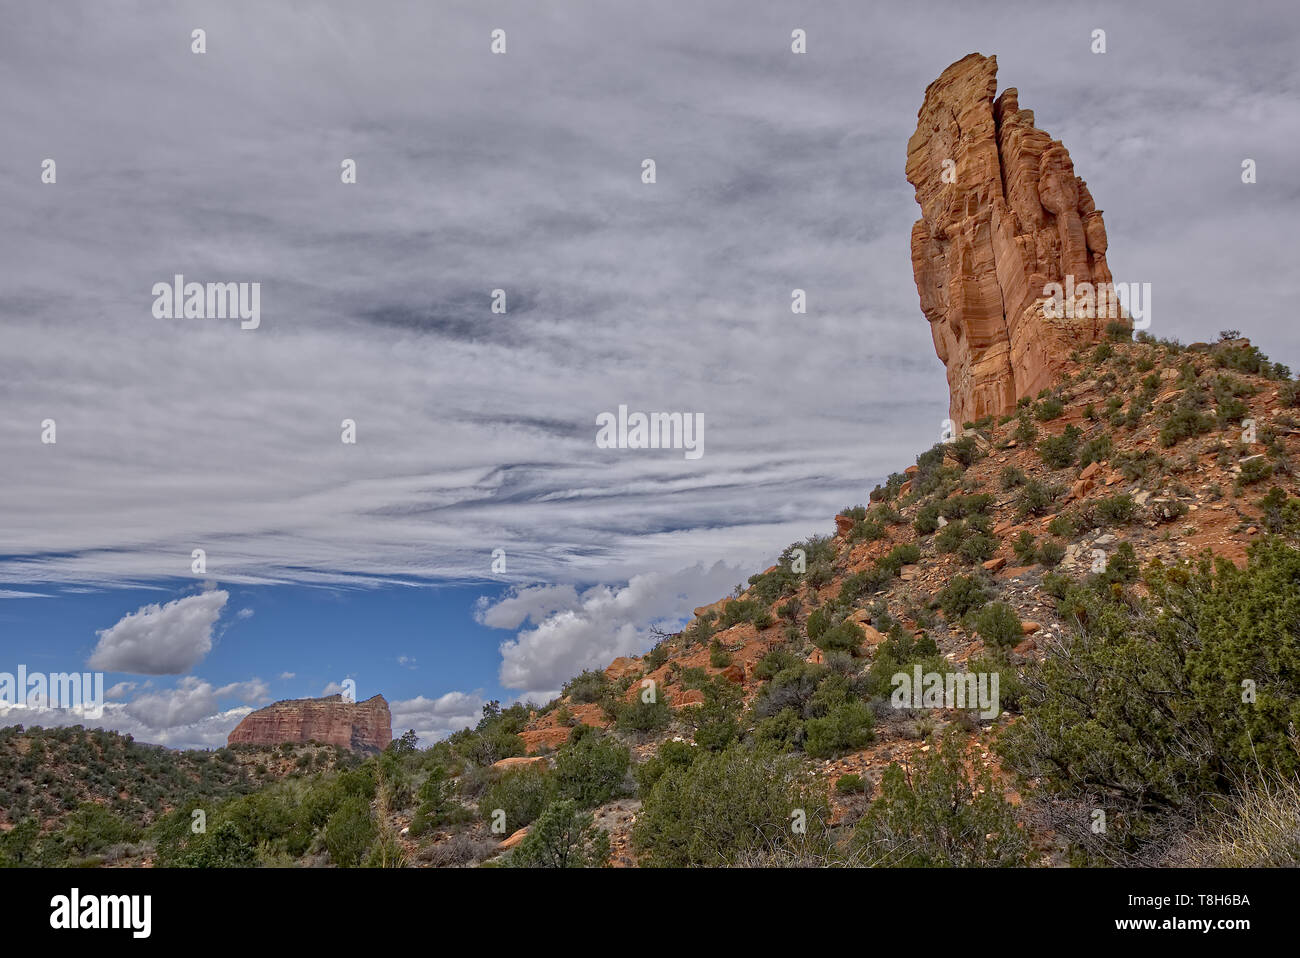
522, 172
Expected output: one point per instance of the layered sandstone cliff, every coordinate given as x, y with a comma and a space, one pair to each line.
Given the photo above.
354, 725
1002, 216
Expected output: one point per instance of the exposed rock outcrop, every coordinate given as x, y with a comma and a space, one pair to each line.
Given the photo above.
363, 726
1002, 216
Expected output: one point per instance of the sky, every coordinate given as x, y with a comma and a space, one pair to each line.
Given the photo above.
475, 429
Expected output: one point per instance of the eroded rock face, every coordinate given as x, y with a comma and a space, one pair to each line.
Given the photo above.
1002, 215
362, 726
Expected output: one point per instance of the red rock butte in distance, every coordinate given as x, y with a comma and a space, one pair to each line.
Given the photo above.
361, 726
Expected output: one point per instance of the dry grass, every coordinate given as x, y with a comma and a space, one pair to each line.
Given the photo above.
1259, 827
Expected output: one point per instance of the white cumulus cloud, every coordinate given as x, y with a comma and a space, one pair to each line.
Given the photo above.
161, 639
436, 718
190, 701
601, 624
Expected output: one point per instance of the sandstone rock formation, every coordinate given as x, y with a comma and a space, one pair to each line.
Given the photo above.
1002, 216
363, 726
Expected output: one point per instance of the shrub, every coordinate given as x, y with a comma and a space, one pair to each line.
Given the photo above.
819, 620
931, 461
642, 716
1183, 422
590, 767
485, 748
899, 556
726, 806
775, 661
978, 547
861, 583
1144, 702
819, 574
998, 624
1246, 359
1010, 687
1059, 451
845, 728
814, 548
590, 686
1049, 409
349, 832
850, 782
964, 450
940, 815
671, 754
963, 594
521, 793
719, 658
1254, 470
1247, 627
1281, 513
714, 721
1288, 394
1117, 509
1024, 547
1168, 511
1035, 499
93, 827
1011, 477
1025, 431
564, 836
866, 531
927, 519
1096, 450
656, 657
961, 507
224, 847
951, 537
436, 803
737, 611
699, 631
891, 487
845, 637
790, 688
1062, 525
1121, 565
885, 515
783, 731
18, 844
1051, 553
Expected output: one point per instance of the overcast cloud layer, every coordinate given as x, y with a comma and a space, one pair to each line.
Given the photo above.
523, 172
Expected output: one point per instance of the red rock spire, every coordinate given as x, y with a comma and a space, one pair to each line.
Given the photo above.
1002, 215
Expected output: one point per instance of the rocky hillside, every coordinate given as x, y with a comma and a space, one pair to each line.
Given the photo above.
1142, 451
